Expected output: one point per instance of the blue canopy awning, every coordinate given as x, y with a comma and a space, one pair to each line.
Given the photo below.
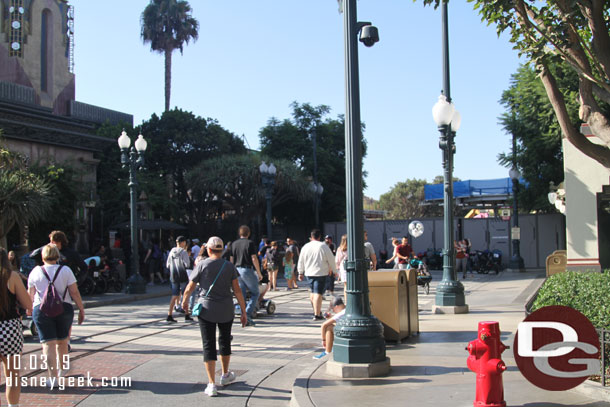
472, 188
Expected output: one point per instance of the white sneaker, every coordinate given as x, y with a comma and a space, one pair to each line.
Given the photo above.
51, 382
227, 378
210, 390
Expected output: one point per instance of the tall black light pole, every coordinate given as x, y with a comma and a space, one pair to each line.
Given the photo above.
134, 159
516, 261
449, 292
268, 179
358, 336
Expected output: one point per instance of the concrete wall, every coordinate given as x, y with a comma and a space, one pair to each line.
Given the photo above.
584, 178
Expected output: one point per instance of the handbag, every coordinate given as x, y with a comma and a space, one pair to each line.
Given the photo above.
199, 307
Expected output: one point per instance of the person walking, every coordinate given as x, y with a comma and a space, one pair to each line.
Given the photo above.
316, 262
12, 292
369, 253
404, 252
288, 270
54, 332
244, 257
273, 258
294, 249
153, 260
330, 280
216, 277
177, 263
340, 259
460, 257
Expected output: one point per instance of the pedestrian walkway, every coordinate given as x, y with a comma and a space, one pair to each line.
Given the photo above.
164, 361
430, 369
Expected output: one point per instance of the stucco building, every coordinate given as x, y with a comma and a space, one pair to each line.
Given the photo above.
587, 209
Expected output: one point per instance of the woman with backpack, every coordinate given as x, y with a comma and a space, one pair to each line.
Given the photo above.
53, 288
12, 292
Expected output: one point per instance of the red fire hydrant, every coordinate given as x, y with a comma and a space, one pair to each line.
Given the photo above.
485, 361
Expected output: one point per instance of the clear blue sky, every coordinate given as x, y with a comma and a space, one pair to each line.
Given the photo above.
253, 58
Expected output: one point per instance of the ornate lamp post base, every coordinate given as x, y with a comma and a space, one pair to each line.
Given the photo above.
450, 298
136, 284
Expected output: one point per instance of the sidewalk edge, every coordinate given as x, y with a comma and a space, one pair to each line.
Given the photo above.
300, 388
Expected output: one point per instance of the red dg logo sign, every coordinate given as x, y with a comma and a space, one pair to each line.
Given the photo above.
557, 348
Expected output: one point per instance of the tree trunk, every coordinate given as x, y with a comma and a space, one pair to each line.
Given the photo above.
168, 76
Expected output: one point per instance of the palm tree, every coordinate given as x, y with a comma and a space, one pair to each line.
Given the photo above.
167, 25
24, 197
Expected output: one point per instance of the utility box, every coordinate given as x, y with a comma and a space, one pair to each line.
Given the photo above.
556, 262
413, 301
389, 303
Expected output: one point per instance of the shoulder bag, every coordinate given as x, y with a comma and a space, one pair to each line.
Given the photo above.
197, 308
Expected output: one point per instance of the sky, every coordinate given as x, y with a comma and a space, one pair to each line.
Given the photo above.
254, 58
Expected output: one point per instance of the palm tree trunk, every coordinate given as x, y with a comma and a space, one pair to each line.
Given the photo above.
168, 76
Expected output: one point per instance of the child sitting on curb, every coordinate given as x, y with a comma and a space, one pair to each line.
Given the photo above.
328, 326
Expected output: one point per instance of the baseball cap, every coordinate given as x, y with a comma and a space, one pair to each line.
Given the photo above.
195, 240
328, 237
215, 243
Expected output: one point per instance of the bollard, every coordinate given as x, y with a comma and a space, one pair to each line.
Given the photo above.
485, 360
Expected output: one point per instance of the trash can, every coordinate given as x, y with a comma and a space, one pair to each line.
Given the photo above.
389, 303
413, 306
556, 262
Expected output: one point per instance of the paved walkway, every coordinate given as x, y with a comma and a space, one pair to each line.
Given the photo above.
164, 361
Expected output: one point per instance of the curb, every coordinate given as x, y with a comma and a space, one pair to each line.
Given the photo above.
125, 299
593, 390
300, 388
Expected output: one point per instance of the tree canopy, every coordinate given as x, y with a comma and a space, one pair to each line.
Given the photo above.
529, 117
575, 33
167, 25
24, 196
292, 139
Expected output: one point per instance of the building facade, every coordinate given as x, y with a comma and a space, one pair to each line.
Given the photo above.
39, 114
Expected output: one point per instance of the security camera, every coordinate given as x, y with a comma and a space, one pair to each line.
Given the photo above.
369, 35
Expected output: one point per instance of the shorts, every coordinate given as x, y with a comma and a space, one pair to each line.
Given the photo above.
53, 328
177, 288
11, 337
318, 284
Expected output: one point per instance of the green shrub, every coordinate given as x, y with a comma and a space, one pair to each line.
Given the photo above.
588, 293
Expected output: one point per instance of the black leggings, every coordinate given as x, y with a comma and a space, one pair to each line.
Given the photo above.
208, 337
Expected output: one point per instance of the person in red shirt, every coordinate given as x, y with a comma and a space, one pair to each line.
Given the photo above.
404, 252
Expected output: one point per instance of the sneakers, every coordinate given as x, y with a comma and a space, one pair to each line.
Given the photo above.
179, 309
211, 390
51, 382
227, 378
321, 355
317, 318
187, 317
170, 319
250, 323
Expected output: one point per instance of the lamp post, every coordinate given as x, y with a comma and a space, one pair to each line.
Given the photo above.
268, 179
516, 261
449, 292
358, 336
317, 190
134, 159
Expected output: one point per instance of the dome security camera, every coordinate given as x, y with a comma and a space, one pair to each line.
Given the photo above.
369, 35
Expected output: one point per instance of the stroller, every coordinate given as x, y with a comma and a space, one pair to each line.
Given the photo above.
265, 304
423, 276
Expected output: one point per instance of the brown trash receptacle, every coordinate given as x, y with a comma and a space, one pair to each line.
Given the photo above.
389, 303
413, 301
556, 262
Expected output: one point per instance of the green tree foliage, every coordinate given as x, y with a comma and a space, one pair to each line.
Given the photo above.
531, 120
167, 25
575, 33
406, 200
178, 141
233, 183
292, 139
65, 187
24, 196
